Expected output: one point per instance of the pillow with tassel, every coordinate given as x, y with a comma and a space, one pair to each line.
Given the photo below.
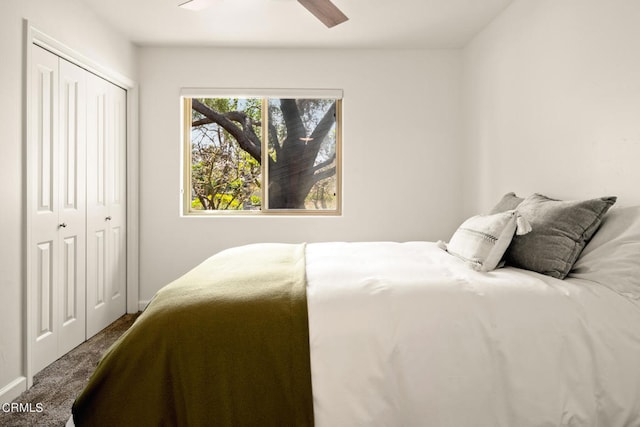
482, 240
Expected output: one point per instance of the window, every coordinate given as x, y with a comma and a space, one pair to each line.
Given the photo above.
262, 154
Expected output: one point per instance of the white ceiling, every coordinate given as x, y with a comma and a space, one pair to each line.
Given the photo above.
286, 23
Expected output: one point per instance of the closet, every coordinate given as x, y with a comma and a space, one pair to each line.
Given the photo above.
76, 207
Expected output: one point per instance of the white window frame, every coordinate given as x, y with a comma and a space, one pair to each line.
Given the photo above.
186, 94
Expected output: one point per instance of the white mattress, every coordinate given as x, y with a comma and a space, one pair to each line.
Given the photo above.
403, 334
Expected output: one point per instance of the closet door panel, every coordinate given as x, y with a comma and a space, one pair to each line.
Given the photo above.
117, 203
72, 192
43, 185
106, 204
97, 205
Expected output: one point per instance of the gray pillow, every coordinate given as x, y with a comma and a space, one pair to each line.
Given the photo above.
508, 202
560, 230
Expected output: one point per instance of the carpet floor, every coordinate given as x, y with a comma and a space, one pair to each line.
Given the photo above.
56, 386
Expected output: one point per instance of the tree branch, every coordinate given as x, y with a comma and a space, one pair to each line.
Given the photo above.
327, 173
293, 120
201, 122
320, 133
325, 163
324, 126
273, 137
244, 134
236, 116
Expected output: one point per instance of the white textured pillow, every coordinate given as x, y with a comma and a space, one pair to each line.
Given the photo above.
482, 240
612, 257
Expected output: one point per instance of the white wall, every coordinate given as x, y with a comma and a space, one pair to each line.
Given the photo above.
401, 120
552, 102
71, 23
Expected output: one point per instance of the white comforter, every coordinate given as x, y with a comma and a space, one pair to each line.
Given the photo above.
403, 334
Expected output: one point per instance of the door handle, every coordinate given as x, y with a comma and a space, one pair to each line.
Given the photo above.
108, 218
62, 225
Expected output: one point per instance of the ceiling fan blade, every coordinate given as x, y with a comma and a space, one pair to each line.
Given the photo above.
325, 11
195, 4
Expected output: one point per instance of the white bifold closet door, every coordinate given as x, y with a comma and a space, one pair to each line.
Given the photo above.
58, 227
106, 207
77, 205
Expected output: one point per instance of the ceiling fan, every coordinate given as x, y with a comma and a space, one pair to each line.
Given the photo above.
327, 12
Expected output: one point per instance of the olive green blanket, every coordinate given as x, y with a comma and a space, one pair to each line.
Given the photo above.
227, 344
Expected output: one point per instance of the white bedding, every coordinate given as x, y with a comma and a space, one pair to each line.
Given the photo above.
403, 334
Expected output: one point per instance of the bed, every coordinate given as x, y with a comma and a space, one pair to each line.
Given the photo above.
390, 334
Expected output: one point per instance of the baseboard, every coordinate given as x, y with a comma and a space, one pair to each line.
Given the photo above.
12, 390
143, 304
